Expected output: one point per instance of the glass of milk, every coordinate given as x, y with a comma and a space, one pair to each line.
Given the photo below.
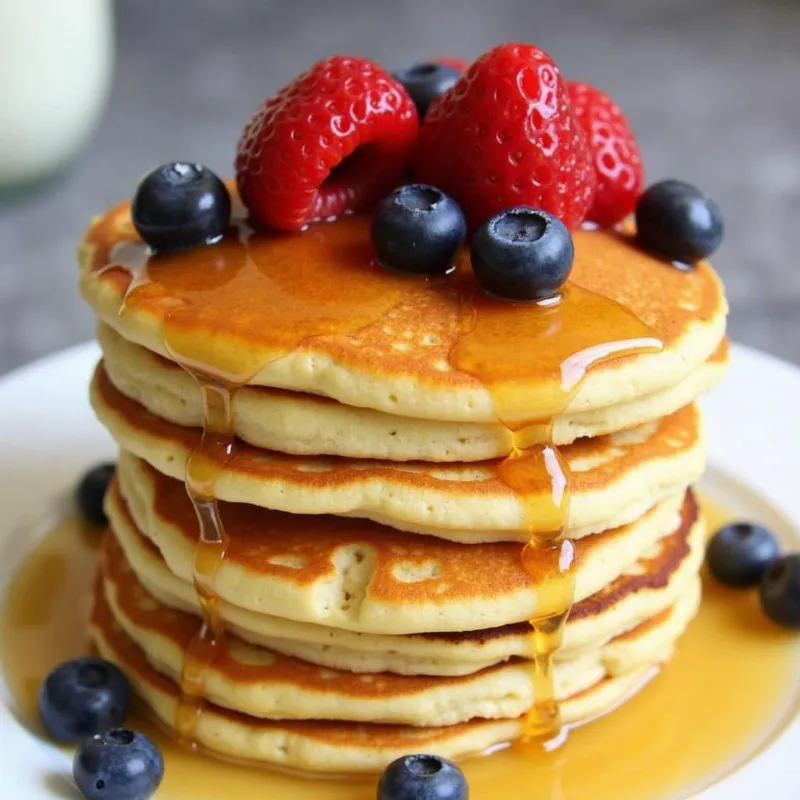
56, 63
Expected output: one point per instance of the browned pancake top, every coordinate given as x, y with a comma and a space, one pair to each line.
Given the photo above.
254, 296
305, 555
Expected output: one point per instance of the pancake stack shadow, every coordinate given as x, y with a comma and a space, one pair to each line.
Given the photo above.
372, 591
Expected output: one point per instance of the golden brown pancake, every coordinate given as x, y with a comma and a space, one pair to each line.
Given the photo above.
331, 746
261, 683
648, 587
307, 424
614, 479
356, 574
311, 312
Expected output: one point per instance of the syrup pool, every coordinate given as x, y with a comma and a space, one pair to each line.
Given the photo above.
732, 685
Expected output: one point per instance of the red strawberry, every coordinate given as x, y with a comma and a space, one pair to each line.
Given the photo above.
455, 63
335, 140
617, 163
504, 136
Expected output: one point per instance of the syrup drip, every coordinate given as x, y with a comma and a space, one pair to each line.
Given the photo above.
228, 271
216, 446
559, 340
44, 617
556, 341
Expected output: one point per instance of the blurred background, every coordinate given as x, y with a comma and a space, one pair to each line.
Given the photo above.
96, 92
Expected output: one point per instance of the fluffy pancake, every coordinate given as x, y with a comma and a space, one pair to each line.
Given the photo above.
311, 312
329, 747
648, 587
264, 684
614, 479
305, 424
355, 574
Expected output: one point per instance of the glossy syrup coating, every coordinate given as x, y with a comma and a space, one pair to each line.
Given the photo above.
320, 286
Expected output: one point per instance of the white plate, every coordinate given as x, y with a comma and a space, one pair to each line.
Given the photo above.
49, 435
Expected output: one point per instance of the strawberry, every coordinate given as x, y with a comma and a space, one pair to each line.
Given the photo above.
615, 154
505, 136
335, 140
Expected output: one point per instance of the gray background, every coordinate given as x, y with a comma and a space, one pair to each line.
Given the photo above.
712, 89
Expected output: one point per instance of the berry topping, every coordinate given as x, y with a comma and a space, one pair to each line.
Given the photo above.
418, 228
505, 136
118, 765
615, 154
82, 697
91, 492
335, 140
780, 591
677, 221
425, 82
740, 553
522, 254
422, 777
180, 205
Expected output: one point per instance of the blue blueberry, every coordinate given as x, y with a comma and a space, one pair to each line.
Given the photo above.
422, 777
83, 697
118, 765
740, 553
522, 254
780, 591
180, 205
91, 491
418, 229
677, 221
425, 82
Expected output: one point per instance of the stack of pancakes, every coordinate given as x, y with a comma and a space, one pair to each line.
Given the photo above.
372, 591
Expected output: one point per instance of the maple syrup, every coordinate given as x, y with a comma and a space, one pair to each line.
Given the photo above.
732, 685
323, 281
215, 278
559, 340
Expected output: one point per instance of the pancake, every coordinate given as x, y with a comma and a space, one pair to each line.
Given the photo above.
330, 746
264, 684
614, 479
305, 424
355, 574
311, 312
648, 587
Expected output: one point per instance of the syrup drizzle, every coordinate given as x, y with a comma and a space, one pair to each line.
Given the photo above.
560, 340
44, 617
218, 381
216, 446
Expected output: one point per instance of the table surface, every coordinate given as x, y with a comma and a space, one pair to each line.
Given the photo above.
712, 90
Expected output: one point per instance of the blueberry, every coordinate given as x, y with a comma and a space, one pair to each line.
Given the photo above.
418, 229
677, 221
83, 697
740, 553
118, 765
180, 205
522, 254
422, 777
780, 591
92, 490
425, 82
